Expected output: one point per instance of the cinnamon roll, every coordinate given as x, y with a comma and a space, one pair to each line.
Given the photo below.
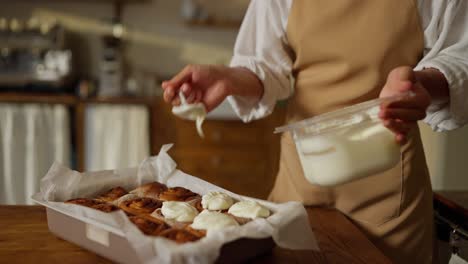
211, 220
149, 226
197, 203
180, 235
249, 210
94, 203
112, 194
150, 190
140, 206
197, 232
180, 194
216, 201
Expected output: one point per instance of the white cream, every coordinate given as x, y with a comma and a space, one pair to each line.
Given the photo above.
208, 220
179, 211
195, 112
348, 154
249, 209
216, 201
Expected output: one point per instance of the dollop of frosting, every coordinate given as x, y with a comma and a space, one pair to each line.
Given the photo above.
208, 220
195, 112
249, 209
179, 211
216, 201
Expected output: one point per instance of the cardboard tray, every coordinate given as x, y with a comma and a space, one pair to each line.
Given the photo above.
111, 243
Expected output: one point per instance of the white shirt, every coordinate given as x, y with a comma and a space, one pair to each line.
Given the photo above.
261, 42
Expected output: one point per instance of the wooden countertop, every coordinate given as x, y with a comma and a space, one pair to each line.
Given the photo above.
24, 238
452, 206
458, 200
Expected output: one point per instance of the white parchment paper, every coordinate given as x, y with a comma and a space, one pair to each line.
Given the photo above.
288, 224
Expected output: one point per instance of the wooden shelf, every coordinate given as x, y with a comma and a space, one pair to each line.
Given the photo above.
42, 98
149, 101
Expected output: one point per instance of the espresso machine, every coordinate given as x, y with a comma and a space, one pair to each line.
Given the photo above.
33, 55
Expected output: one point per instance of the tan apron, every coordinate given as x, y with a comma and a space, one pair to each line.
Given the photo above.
343, 51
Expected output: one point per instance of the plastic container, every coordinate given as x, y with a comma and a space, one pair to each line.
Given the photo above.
345, 145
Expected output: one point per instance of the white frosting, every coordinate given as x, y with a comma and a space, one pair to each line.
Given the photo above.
347, 154
249, 209
195, 112
208, 220
216, 201
179, 211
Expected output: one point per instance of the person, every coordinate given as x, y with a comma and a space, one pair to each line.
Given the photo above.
339, 53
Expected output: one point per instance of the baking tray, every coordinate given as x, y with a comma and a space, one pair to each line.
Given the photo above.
111, 243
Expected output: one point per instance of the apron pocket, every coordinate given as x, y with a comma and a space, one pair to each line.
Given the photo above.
373, 200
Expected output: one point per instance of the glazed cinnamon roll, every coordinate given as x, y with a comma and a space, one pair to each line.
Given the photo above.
180, 194
94, 203
140, 206
197, 203
112, 194
197, 232
180, 235
245, 211
149, 226
150, 190
176, 214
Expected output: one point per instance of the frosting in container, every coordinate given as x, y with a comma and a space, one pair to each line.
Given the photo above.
345, 145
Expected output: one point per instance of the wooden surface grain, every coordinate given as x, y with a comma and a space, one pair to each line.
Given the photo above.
456, 200
24, 238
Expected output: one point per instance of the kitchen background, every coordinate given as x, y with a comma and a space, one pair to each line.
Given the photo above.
95, 121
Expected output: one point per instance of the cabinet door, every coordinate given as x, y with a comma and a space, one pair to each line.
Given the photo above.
240, 170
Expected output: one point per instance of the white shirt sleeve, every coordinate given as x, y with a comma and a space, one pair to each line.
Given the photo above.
261, 47
445, 25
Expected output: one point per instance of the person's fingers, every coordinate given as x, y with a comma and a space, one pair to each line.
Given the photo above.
164, 84
182, 77
394, 88
402, 114
397, 126
198, 97
191, 97
169, 94
419, 100
401, 139
186, 88
176, 101
189, 92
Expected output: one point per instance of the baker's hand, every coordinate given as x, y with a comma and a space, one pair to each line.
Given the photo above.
211, 84
199, 83
401, 116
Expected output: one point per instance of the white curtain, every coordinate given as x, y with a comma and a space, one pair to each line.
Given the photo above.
116, 136
32, 137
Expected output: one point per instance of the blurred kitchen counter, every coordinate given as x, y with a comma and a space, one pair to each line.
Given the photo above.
25, 238
460, 198
452, 205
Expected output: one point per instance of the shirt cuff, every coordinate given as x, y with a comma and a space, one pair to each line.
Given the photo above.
248, 108
453, 112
